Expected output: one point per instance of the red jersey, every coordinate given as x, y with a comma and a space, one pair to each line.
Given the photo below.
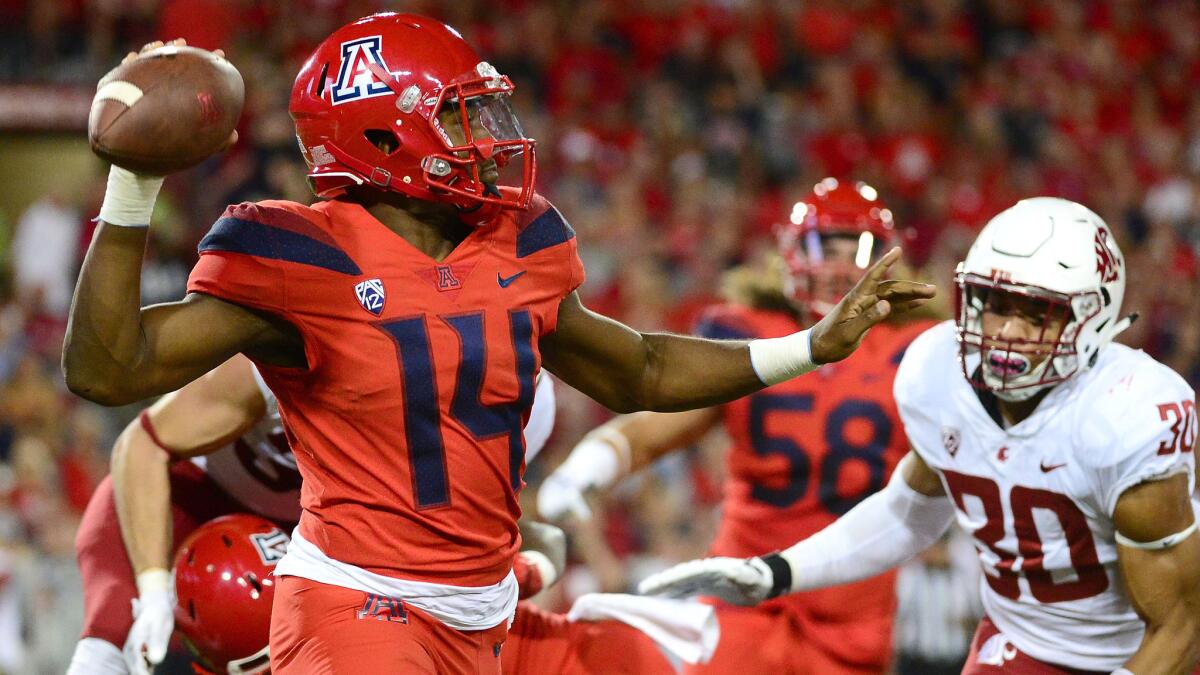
406, 423
807, 450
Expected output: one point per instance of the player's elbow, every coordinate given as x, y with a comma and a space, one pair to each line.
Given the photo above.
94, 386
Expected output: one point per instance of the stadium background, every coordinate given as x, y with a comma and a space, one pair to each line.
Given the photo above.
673, 135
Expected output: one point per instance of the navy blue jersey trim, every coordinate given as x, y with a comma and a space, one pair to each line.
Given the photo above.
548, 229
715, 330
264, 241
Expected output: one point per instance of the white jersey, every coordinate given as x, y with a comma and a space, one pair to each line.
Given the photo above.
258, 469
1038, 497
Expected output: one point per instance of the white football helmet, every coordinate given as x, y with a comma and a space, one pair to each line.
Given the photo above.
1056, 251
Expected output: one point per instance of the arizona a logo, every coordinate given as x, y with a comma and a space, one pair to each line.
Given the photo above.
370, 295
270, 545
355, 79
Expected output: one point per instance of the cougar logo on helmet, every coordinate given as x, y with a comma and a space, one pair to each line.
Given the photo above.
1107, 262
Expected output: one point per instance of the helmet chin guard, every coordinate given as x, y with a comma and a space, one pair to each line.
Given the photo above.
1055, 252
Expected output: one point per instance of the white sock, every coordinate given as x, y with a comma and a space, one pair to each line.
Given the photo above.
94, 656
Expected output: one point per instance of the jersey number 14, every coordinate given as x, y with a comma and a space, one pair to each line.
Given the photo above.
422, 414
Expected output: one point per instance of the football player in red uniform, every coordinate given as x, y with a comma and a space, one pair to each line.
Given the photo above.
803, 451
224, 582
400, 322
214, 447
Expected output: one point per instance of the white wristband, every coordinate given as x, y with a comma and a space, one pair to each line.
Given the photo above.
153, 580
544, 567
129, 199
596, 461
780, 359
1122, 671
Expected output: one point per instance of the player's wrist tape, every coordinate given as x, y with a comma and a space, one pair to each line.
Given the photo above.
541, 562
1122, 671
598, 460
1158, 544
781, 574
129, 198
153, 580
780, 359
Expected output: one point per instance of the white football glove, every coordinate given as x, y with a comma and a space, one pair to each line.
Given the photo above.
738, 581
560, 497
595, 463
153, 621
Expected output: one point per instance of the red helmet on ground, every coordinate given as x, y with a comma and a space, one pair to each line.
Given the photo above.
401, 102
224, 585
851, 212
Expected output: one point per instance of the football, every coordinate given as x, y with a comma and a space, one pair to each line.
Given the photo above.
165, 110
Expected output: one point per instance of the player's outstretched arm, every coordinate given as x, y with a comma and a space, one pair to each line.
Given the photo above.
629, 371
882, 531
198, 419
619, 447
1159, 554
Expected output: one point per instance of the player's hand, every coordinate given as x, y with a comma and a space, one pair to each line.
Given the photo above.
559, 498
153, 621
871, 300
739, 581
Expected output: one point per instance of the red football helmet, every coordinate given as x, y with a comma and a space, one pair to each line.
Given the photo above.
833, 209
224, 586
401, 102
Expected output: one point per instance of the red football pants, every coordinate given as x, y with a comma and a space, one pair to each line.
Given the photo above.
542, 642
767, 640
107, 574
319, 629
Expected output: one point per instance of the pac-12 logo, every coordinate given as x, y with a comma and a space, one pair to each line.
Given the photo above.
370, 295
271, 546
355, 79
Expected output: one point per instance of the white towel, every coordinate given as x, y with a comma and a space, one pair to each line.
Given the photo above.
684, 628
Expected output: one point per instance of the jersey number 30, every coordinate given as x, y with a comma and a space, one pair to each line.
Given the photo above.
1089, 576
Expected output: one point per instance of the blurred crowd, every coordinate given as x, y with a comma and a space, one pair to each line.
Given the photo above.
673, 135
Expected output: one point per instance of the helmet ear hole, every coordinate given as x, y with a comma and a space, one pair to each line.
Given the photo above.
383, 139
320, 83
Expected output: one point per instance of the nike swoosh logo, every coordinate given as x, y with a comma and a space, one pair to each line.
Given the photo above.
1048, 469
505, 281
